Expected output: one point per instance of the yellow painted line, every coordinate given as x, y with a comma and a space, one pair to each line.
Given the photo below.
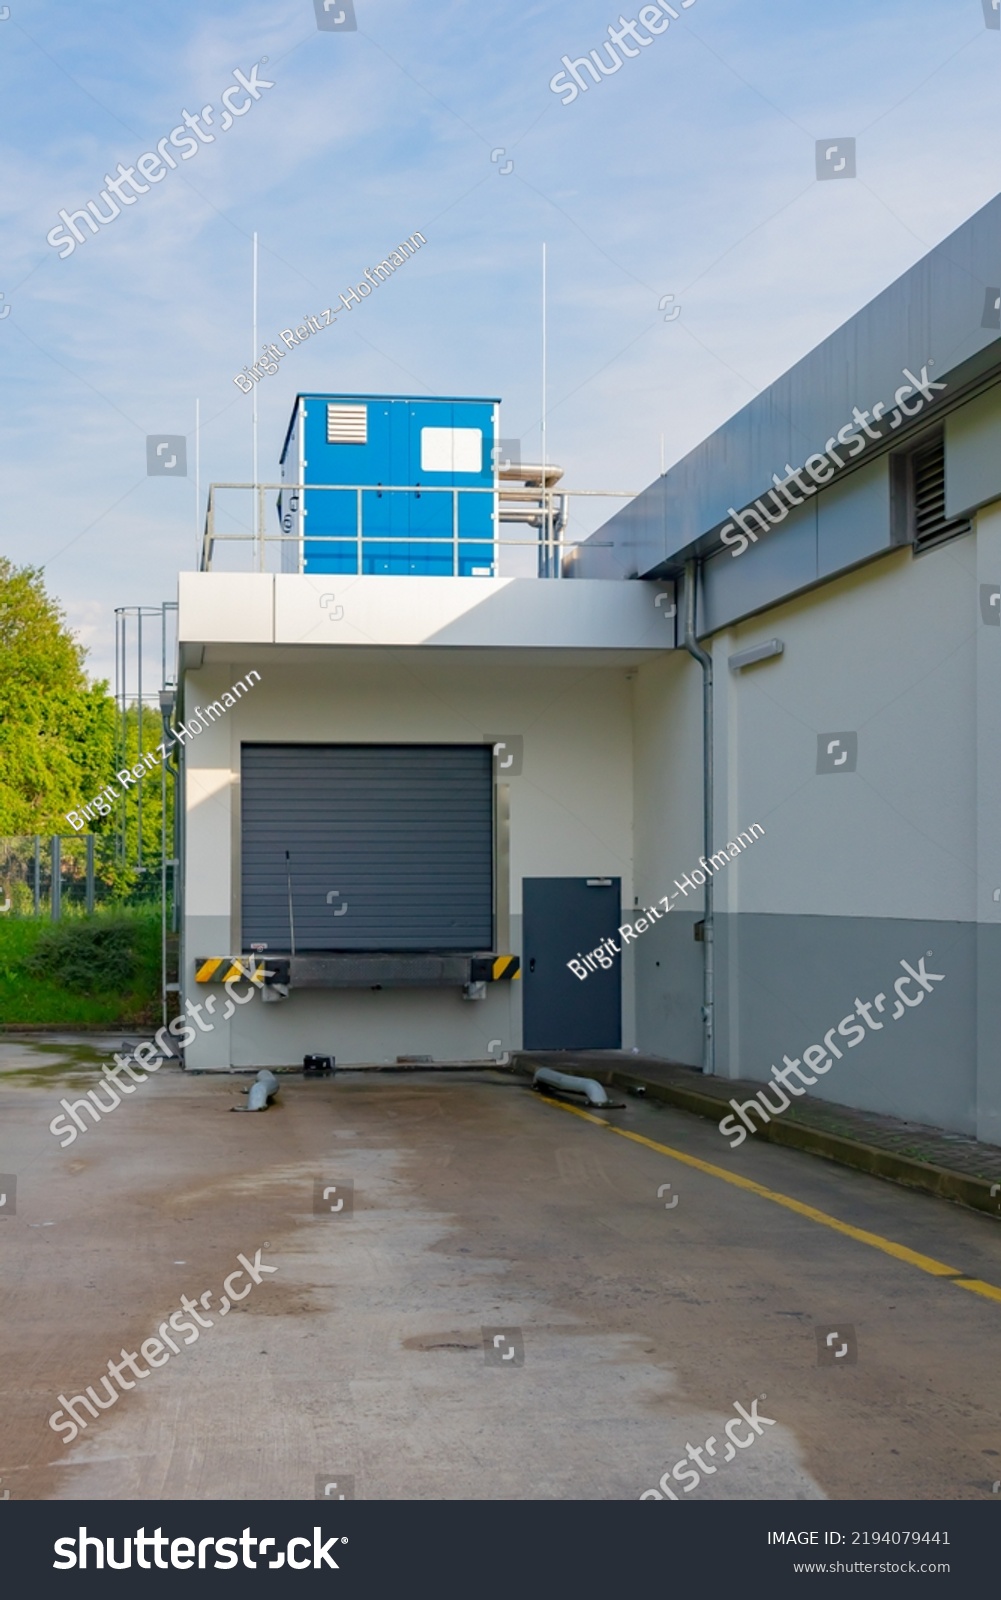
207, 968
235, 971
889, 1247
975, 1286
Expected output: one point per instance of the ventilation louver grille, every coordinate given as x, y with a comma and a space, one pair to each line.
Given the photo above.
930, 524
347, 424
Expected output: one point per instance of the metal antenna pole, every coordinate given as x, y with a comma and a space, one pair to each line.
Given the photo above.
253, 358
547, 519
291, 917
198, 481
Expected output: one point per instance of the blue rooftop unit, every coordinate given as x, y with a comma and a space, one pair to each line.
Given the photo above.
420, 486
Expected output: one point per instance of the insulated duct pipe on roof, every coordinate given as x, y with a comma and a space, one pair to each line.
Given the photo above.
706, 663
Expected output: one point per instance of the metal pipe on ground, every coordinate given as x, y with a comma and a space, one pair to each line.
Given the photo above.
261, 1092
590, 1087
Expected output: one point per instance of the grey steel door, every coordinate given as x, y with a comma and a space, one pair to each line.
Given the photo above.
564, 918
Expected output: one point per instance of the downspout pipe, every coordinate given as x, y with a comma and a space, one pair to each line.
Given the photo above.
170, 765
173, 766
705, 661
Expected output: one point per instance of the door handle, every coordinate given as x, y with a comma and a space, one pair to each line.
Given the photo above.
531, 964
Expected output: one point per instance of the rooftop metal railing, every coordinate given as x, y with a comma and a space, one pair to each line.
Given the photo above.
545, 509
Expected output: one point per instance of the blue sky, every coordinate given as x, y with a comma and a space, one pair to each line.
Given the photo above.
688, 172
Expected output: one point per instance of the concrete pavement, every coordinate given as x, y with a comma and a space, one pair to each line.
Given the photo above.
477, 1204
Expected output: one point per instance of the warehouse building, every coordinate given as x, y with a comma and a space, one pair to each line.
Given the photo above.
434, 769
445, 771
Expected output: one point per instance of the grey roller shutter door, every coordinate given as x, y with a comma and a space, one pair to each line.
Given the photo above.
402, 833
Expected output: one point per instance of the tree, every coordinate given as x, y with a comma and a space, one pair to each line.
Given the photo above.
57, 731
60, 736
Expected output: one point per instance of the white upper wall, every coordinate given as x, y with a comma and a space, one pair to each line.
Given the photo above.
887, 653
525, 613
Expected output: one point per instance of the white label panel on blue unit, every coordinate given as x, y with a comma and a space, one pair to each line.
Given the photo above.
451, 450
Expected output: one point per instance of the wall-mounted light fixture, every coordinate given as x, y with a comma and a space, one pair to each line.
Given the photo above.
758, 652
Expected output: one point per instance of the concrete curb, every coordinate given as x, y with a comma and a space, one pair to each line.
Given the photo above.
13, 1029
959, 1187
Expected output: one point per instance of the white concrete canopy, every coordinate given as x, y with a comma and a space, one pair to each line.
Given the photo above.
511, 613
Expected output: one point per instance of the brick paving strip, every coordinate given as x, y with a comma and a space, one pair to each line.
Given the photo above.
950, 1165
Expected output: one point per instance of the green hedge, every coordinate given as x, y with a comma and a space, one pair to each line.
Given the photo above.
102, 970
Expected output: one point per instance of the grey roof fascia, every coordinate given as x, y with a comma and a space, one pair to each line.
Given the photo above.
930, 316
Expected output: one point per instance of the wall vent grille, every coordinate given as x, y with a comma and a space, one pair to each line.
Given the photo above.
931, 527
347, 424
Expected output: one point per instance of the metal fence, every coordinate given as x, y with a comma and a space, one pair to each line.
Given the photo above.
541, 509
53, 876
43, 875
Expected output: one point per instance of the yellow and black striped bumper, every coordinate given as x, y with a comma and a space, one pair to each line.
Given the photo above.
220, 969
356, 971
494, 969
